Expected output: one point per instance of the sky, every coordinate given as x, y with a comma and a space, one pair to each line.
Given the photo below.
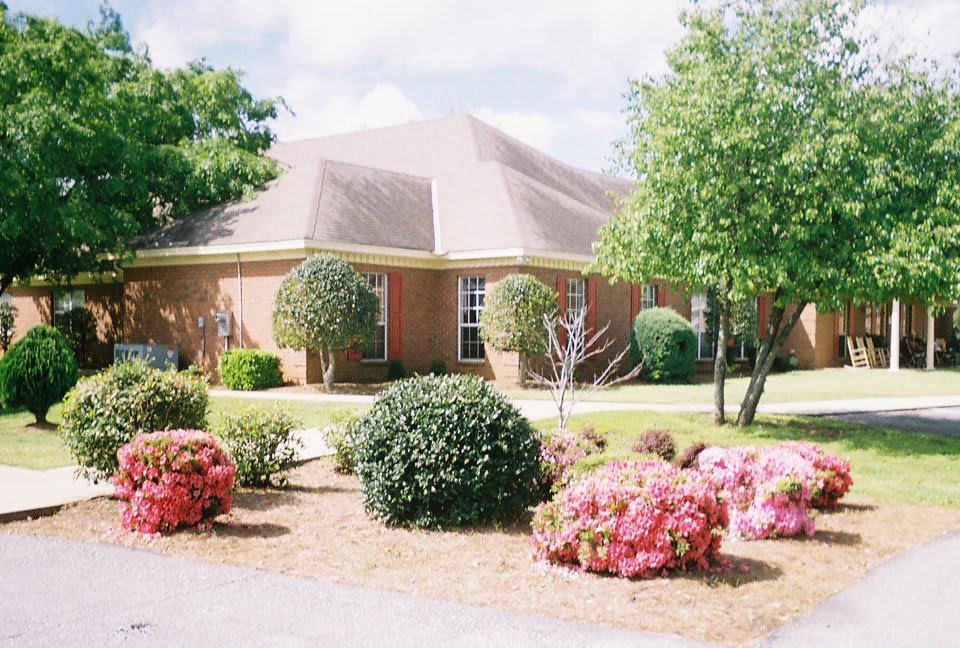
552, 73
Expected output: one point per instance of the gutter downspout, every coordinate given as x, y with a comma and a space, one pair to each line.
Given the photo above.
240, 308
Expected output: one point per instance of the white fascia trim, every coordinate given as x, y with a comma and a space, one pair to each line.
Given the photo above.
435, 201
520, 254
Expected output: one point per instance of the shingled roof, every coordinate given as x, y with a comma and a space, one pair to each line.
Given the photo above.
390, 187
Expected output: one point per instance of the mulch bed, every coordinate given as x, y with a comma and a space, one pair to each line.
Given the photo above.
317, 528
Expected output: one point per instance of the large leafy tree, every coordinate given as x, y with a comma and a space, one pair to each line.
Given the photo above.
513, 318
749, 174
96, 145
323, 306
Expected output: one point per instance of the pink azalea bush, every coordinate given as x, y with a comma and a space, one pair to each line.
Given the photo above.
559, 452
632, 519
770, 489
833, 477
172, 479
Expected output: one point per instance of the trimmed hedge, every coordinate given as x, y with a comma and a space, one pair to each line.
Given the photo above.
439, 451
37, 371
666, 344
250, 369
106, 411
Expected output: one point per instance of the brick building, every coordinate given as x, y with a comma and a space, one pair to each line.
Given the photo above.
432, 213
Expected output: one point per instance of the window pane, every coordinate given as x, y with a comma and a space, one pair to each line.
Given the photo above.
377, 349
470, 299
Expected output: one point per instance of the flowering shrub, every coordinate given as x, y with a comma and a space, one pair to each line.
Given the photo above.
632, 519
657, 441
558, 454
770, 490
833, 478
172, 479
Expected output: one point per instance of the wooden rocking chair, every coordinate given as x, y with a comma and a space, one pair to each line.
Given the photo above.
858, 354
877, 357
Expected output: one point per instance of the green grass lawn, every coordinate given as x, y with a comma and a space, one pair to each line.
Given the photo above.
820, 384
22, 444
887, 465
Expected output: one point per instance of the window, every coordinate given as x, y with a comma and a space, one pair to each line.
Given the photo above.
471, 295
648, 297
377, 349
65, 301
576, 294
698, 319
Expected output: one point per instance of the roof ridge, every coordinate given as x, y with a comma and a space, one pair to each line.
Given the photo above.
312, 230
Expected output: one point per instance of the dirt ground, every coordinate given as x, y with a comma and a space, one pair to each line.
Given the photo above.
317, 528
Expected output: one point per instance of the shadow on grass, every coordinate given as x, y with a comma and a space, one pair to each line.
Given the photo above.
257, 530
853, 436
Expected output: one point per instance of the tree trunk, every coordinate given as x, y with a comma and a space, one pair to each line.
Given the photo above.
41, 416
772, 343
523, 364
328, 369
720, 361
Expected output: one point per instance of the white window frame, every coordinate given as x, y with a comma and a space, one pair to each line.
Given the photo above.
470, 285
698, 320
648, 296
576, 294
67, 300
379, 284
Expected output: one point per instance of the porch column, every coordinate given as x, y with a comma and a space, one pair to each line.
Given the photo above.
931, 340
895, 336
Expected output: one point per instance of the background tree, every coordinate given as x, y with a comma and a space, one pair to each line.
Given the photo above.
512, 318
8, 320
96, 145
750, 168
323, 306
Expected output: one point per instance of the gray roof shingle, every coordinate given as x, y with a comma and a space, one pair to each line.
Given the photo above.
374, 188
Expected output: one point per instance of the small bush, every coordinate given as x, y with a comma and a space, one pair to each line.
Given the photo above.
339, 436
688, 458
666, 345
37, 371
261, 443
396, 370
559, 452
106, 411
77, 326
441, 451
171, 479
438, 367
250, 369
785, 363
592, 440
632, 519
657, 441
770, 489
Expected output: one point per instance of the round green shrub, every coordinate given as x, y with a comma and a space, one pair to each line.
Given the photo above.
438, 367
439, 451
396, 370
37, 371
338, 435
250, 369
105, 411
666, 344
262, 444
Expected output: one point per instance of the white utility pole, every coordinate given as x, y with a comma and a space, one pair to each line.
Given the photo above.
931, 340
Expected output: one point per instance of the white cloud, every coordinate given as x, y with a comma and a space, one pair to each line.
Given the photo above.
324, 108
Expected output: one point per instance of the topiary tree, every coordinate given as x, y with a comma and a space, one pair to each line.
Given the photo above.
37, 371
324, 306
512, 318
666, 345
438, 451
8, 318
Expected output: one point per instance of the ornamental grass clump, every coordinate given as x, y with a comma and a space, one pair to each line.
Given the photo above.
440, 451
172, 479
632, 519
770, 489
